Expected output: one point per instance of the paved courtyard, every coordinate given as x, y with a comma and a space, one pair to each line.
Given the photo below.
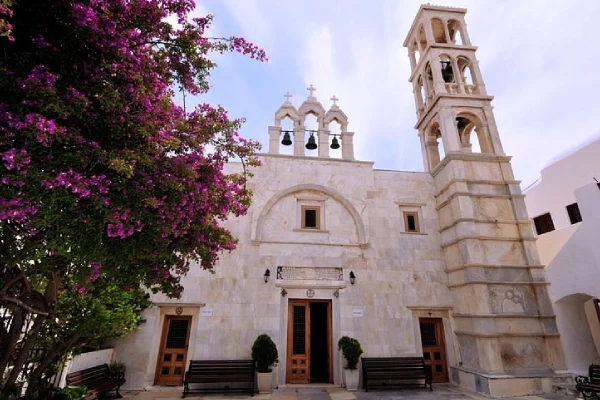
292, 392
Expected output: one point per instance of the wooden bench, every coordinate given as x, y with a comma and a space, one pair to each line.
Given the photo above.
98, 380
220, 376
392, 372
589, 386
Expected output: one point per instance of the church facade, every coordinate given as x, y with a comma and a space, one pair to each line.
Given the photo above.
440, 264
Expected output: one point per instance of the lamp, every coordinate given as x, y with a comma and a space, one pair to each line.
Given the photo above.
267, 275
352, 278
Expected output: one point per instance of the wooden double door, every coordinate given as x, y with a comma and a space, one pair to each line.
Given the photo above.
309, 342
172, 356
434, 350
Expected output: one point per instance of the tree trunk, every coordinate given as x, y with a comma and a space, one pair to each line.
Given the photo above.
50, 296
33, 380
18, 318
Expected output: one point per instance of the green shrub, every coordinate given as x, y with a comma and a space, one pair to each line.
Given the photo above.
351, 349
264, 352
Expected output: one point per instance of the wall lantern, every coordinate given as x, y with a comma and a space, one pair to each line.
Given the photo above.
267, 275
352, 277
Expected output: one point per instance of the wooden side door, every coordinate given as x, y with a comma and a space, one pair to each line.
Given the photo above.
172, 356
298, 345
434, 351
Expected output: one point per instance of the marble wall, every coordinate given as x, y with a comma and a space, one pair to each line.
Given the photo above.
362, 231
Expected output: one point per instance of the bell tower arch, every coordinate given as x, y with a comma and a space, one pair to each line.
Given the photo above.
503, 318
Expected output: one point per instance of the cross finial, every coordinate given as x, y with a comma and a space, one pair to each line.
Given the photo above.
287, 96
334, 99
311, 89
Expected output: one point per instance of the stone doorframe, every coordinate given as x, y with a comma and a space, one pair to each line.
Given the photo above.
314, 291
161, 311
443, 312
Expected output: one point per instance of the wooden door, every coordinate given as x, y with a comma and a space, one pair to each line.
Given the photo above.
298, 346
434, 351
173, 350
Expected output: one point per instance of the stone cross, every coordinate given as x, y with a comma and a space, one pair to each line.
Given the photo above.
311, 89
334, 99
287, 96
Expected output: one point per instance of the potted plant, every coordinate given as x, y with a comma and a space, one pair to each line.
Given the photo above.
351, 349
116, 369
264, 353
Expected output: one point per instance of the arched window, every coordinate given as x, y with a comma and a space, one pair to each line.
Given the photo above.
287, 132
466, 125
439, 33
435, 145
467, 75
415, 55
311, 125
421, 93
454, 32
422, 41
429, 83
335, 129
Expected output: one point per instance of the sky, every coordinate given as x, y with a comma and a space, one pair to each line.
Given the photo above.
539, 59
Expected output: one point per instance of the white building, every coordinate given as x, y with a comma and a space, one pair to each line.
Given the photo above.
565, 207
444, 261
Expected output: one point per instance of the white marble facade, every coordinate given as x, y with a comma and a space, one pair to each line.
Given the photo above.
362, 230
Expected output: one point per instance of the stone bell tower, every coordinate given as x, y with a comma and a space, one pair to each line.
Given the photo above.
504, 324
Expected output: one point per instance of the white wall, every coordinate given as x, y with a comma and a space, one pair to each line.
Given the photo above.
86, 360
555, 190
574, 274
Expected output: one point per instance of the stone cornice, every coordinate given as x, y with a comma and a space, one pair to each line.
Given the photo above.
475, 182
488, 282
455, 155
482, 221
305, 158
467, 266
486, 238
467, 194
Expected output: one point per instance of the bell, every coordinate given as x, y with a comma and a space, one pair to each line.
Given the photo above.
461, 123
334, 143
311, 145
286, 139
447, 72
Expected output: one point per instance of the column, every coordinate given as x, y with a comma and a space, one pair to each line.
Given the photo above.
274, 134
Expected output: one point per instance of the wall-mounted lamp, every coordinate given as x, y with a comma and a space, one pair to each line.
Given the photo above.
267, 275
352, 277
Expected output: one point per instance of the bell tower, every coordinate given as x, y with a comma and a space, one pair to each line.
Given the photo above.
504, 324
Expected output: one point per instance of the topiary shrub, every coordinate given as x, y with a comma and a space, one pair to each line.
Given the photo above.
264, 353
351, 349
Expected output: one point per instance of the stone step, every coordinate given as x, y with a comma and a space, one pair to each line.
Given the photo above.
565, 389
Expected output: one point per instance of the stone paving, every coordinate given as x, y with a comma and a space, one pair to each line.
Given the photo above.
293, 392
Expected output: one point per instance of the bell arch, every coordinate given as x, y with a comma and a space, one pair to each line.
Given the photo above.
312, 107
287, 111
468, 122
360, 228
434, 144
439, 30
455, 32
467, 75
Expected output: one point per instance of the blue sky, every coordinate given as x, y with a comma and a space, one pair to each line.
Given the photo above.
539, 58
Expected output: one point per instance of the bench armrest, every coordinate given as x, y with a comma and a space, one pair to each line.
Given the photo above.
582, 379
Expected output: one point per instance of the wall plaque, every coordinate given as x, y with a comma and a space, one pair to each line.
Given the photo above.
206, 313
310, 293
310, 273
357, 312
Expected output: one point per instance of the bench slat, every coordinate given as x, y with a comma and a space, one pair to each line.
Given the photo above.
381, 371
242, 373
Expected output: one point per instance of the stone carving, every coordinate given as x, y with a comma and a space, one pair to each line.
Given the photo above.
310, 293
310, 273
513, 302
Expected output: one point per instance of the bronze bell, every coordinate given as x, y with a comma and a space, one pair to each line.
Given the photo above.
311, 145
447, 72
334, 143
286, 139
461, 123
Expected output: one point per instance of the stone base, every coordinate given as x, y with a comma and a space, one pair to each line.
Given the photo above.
505, 385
